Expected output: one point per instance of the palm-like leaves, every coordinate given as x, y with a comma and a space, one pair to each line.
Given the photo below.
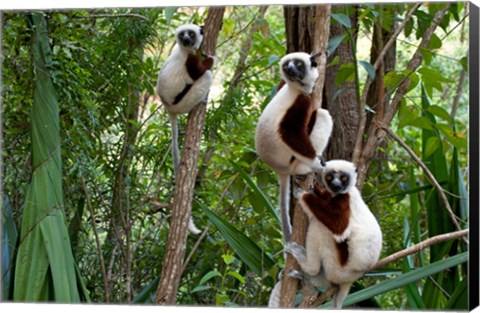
45, 267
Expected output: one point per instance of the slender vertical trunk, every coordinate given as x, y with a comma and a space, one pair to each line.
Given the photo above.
187, 171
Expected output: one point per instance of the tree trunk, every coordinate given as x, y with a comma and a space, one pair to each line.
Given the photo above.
344, 106
185, 183
318, 41
376, 93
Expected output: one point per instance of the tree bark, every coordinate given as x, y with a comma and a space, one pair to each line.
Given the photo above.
344, 108
321, 15
376, 93
185, 183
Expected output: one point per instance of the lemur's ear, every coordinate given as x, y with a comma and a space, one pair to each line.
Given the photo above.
312, 58
201, 29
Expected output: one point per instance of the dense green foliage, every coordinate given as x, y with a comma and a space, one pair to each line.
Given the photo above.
117, 172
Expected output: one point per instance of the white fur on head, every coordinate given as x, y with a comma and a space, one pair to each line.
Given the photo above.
341, 166
190, 27
311, 74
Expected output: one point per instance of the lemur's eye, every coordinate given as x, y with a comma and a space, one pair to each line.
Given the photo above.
329, 177
344, 178
299, 64
180, 35
191, 34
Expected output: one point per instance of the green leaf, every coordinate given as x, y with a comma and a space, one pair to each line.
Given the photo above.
456, 139
220, 299
247, 250
228, 259
9, 240
258, 192
342, 19
334, 42
433, 143
406, 114
169, 11
272, 59
237, 276
459, 299
392, 79
45, 267
422, 122
437, 217
346, 72
440, 112
145, 296
369, 68
201, 288
408, 28
464, 63
209, 276
404, 279
435, 42
413, 77
432, 79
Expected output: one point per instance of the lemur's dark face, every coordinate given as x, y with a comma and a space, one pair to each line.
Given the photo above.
296, 69
337, 182
188, 38
299, 70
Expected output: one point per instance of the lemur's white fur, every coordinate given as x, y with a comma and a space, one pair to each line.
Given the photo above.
319, 257
173, 76
271, 147
172, 80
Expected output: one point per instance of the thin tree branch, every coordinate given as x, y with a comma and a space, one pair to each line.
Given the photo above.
428, 174
420, 246
99, 246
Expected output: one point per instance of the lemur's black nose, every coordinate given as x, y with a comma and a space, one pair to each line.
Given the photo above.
291, 70
336, 186
186, 41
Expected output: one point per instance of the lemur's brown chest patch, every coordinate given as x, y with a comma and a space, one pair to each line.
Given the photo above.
196, 67
333, 212
296, 126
